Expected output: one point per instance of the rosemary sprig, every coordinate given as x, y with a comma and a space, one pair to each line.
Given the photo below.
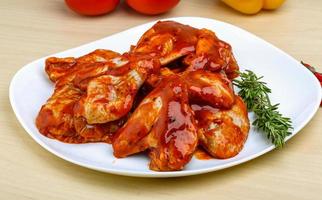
268, 119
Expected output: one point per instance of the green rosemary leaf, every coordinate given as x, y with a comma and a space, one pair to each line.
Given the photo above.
268, 119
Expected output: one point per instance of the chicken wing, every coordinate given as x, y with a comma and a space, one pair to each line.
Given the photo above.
213, 89
59, 67
162, 123
170, 40
167, 40
212, 54
108, 97
55, 118
116, 66
222, 133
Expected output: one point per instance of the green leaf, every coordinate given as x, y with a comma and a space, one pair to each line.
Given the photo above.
268, 119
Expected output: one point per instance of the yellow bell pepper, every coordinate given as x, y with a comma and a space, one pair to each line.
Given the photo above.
253, 6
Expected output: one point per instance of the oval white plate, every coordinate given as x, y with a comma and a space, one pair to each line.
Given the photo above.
293, 86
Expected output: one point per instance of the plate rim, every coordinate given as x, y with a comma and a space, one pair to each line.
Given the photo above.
153, 174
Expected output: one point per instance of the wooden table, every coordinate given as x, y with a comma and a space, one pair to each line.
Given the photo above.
32, 29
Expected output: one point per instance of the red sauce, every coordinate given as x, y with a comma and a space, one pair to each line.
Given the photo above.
185, 36
202, 154
126, 140
177, 120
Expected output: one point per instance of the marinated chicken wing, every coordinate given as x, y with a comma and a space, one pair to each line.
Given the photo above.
55, 119
162, 123
167, 40
84, 72
70, 77
213, 89
59, 67
109, 97
222, 133
170, 40
75, 76
116, 66
212, 54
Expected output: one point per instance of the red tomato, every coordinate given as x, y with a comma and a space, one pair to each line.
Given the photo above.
152, 7
92, 7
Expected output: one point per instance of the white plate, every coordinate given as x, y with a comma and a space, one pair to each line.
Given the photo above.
293, 86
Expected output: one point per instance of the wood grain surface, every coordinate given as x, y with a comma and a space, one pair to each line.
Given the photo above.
36, 28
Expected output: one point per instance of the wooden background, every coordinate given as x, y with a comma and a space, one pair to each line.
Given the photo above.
33, 29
